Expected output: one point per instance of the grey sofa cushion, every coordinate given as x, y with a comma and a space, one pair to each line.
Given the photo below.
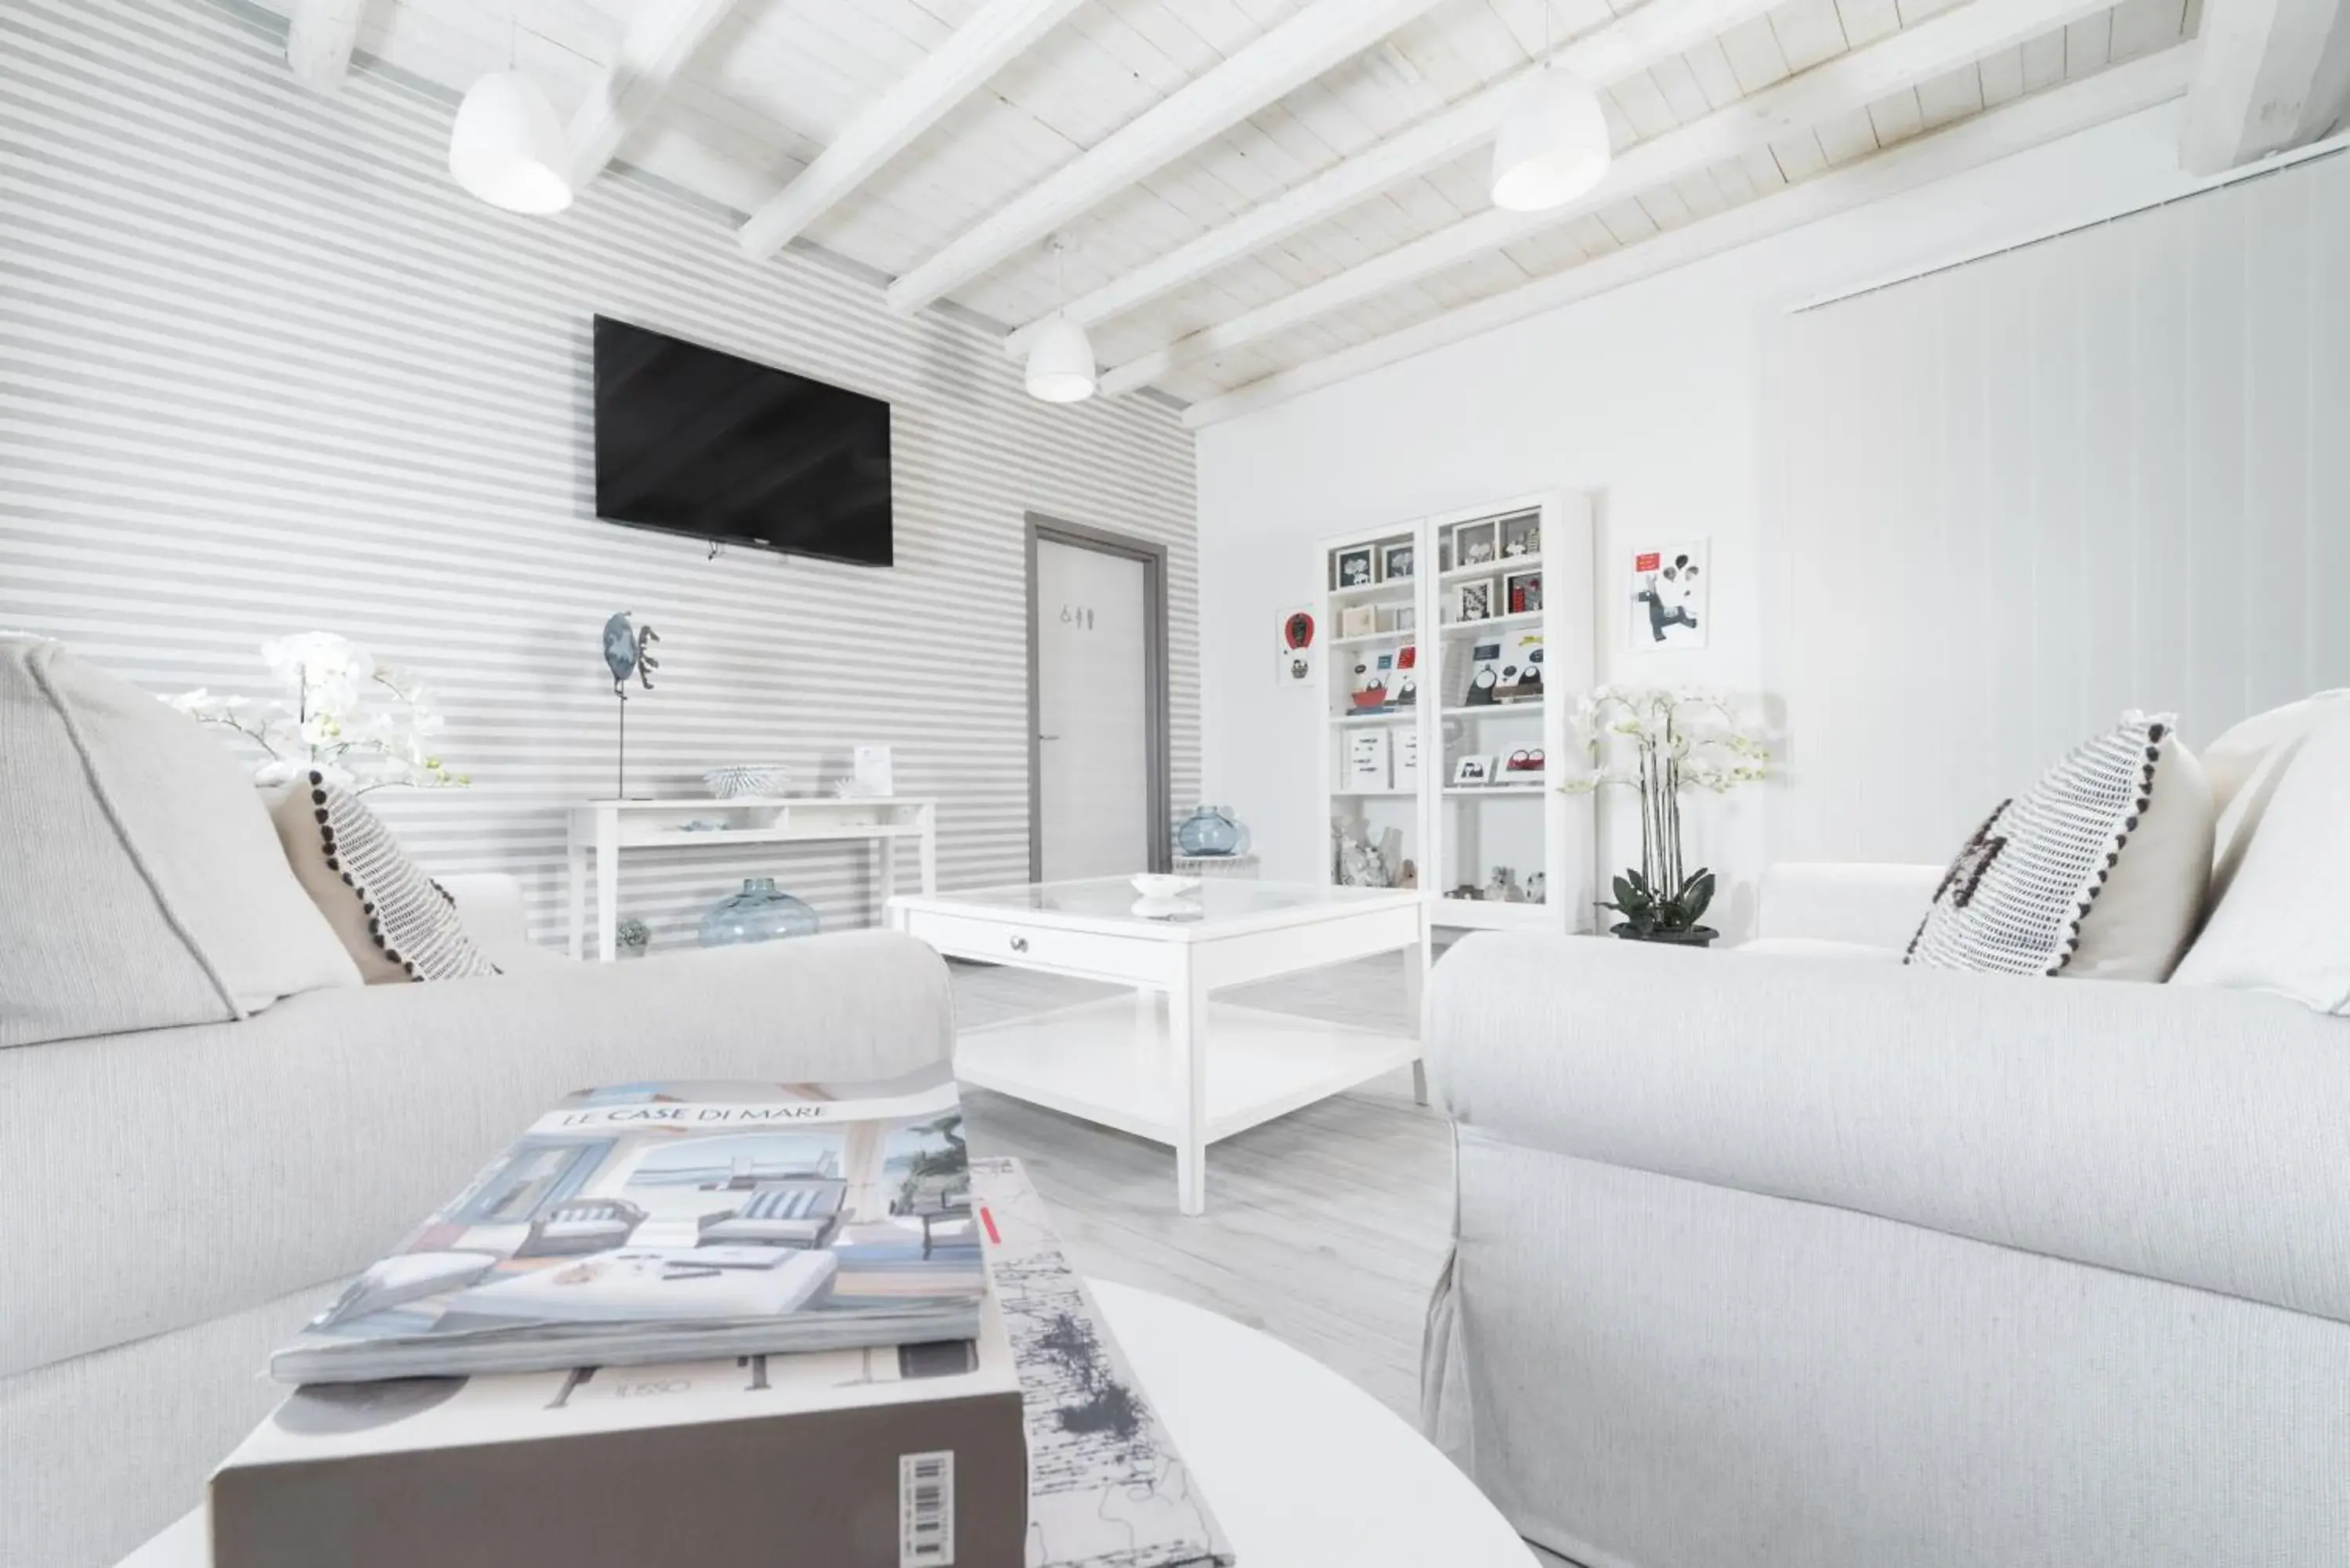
143, 887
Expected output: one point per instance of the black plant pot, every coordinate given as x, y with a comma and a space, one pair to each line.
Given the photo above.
1695, 937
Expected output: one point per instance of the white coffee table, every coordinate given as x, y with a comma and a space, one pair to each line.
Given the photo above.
1303, 1469
1192, 1070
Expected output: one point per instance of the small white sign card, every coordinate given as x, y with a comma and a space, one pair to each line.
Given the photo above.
872, 771
1667, 608
1366, 759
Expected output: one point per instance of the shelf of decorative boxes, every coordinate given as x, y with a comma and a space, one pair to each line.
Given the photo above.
1231, 866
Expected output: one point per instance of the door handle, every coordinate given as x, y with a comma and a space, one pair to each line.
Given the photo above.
1049, 737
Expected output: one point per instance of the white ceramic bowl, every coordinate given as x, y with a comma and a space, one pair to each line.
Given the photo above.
1159, 885
740, 781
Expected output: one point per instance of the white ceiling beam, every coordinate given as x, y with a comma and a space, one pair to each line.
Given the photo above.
1626, 46
1986, 137
1324, 35
2271, 75
1944, 43
975, 52
660, 42
319, 37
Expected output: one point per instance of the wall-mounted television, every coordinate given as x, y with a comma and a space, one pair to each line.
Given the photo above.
692, 441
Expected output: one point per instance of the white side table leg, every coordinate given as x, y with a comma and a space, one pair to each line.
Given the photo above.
1187, 1034
1417, 961
608, 886
929, 842
889, 871
578, 857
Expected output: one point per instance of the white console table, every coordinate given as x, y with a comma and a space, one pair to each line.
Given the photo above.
609, 829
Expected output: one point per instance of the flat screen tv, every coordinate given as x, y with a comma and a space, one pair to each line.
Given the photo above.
692, 441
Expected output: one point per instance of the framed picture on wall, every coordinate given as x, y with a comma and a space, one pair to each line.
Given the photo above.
1669, 585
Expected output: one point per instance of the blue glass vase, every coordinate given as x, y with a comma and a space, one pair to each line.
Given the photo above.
761, 912
1209, 830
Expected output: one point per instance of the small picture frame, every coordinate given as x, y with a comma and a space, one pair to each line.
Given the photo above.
1476, 544
1353, 568
1521, 592
1401, 618
1473, 599
1358, 621
1473, 770
1396, 563
1522, 535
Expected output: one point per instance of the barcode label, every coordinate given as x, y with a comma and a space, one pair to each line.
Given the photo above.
926, 1511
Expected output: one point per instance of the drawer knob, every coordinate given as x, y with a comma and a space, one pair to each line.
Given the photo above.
1020, 944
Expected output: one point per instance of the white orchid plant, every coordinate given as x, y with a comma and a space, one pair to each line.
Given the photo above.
361, 724
1659, 742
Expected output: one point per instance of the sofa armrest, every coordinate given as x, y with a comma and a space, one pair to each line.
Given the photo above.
174, 1175
490, 905
2194, 1135
1873, 905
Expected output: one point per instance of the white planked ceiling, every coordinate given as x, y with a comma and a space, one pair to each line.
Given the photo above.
778, 80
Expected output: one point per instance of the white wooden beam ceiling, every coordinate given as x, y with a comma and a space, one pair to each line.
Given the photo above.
660, 42
1847, 82
1656, 31
2271, 75
319, 37
1300, 49
1969, 143
977, 51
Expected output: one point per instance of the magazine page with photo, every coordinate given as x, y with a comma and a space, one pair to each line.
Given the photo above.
672, 1221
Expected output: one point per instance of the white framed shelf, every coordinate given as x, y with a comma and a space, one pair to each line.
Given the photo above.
1511, 566
1523, 707
1539, 850
1496, 622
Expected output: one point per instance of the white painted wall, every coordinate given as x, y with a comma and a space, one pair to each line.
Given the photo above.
2110, 472
1662, 399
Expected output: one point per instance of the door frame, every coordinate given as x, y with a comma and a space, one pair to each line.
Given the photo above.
1160, 808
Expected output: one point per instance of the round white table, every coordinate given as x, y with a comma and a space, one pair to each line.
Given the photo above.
1303, 1469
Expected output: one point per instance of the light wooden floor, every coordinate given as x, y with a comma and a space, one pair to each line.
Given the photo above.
1325, 1228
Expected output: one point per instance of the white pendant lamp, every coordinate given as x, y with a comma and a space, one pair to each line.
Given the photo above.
1061, 360
508, 146
1552, 146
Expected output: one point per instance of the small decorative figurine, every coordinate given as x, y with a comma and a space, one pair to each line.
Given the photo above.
628, 651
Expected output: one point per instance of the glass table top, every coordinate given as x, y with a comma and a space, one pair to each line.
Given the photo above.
1116, 901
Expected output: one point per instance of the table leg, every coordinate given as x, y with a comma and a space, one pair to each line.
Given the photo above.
930, 821
1187, 1034
1417, 961
608, 902
889, 872
578, 857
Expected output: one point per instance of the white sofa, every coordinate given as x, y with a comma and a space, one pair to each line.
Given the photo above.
1762, 1258
175, 1202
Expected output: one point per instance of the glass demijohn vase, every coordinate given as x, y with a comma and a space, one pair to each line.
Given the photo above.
1209, 830
761, 912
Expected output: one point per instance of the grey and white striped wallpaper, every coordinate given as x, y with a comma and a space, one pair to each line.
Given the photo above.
264, 368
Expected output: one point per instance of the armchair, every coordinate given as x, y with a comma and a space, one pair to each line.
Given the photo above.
1760, 1259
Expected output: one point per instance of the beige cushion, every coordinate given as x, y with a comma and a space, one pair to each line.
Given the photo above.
398, 924
2283, 924
2245, 765
142, 886
2147, 912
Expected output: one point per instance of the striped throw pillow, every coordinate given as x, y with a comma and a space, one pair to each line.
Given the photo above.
410, 919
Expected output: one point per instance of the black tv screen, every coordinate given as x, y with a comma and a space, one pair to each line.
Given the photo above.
696, 442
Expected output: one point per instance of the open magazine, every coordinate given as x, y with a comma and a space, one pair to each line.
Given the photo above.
680, 1221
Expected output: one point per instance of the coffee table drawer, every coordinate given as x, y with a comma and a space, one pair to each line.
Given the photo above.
1043, 947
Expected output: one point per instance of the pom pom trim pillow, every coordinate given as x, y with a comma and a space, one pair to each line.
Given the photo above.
397, 922
2098, 872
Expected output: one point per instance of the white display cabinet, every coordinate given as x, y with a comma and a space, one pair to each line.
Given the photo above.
1453, 646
